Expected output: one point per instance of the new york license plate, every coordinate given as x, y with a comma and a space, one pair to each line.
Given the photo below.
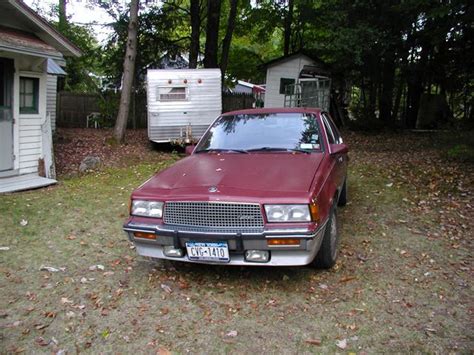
208, 251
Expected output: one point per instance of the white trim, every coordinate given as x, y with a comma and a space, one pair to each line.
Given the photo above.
16, 115
41, 95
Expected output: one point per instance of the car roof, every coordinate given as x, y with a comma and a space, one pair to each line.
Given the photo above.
256, 111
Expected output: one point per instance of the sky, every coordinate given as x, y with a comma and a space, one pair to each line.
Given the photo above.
78, 13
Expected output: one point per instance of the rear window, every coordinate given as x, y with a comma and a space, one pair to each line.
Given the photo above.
278, 130
172, 93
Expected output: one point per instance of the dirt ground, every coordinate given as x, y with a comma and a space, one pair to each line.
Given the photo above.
71, 282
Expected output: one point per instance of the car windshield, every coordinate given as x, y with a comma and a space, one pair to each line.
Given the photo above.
293, 132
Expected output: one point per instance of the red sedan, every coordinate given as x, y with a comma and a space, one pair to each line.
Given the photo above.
261, 187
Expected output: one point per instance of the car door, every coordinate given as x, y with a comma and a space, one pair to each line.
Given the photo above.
337, 150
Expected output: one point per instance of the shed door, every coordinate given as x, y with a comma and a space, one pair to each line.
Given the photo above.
6, 114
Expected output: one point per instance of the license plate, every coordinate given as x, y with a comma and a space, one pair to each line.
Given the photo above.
208, 251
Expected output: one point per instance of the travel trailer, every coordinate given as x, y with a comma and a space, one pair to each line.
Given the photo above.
182, 103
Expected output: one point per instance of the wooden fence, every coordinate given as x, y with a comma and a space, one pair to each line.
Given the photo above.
74, 108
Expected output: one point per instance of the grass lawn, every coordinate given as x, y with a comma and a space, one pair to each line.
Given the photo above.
403, 281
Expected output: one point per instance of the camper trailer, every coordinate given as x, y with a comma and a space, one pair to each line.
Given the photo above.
182, 103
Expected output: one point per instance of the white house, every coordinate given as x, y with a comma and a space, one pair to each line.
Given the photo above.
287, 70
31, 54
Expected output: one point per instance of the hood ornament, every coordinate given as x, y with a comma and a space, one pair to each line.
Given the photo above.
212, 189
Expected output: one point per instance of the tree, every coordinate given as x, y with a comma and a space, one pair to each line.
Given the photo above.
228, 36
212, 33
128, 73
288, 23
62, 23
195, 14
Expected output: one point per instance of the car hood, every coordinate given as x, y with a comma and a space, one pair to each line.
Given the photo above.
278, 172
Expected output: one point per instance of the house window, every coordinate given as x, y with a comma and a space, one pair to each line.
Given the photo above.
172, 94
29, 93
283, 83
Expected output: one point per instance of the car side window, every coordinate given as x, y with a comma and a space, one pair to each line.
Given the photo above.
334, 130
328, 129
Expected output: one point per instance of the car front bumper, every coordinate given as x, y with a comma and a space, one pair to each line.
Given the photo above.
238, 242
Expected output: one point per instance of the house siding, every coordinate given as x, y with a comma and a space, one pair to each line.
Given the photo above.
288, 69
51, 85
30, 144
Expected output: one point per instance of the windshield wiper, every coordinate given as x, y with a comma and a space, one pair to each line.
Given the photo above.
217, 150
277, 149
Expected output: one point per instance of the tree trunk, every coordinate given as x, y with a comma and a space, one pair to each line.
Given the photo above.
386, 94
228, 36
398, 98
62, 23
128, 73
212, 33
195, 32
288, 21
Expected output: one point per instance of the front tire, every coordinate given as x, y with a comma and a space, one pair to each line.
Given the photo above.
327, 254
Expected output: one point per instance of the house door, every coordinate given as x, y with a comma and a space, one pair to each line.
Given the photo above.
6, 114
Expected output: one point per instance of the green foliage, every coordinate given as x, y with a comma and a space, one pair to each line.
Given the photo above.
160, 30
462, 152
78, 70
392, 51
108, 107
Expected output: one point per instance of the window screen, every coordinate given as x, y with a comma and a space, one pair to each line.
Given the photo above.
29, 91
283, 83
172, 93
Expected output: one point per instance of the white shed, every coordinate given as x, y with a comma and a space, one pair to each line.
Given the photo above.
30, 50
287, 70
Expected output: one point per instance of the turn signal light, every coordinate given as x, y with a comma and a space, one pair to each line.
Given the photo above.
283, 241
144, 235
314, 209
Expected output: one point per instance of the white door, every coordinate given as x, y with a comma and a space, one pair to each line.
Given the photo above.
6, 114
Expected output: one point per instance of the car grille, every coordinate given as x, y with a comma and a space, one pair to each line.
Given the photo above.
213, 214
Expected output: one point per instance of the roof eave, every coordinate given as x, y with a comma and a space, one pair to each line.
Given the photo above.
32, 52
66, 46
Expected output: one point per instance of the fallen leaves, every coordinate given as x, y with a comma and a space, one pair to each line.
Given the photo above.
347, 278
97, 267
232, 334
341, 344
51, 269
50, 314
65, 300
74, 144
313, 341
166, 288
42, 341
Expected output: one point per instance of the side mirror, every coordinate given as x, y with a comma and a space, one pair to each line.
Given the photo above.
339, 148
189, 149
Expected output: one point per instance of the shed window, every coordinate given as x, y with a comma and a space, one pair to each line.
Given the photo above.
283, 83
29, 93
172, 94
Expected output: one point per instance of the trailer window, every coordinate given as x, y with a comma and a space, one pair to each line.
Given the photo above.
172, 94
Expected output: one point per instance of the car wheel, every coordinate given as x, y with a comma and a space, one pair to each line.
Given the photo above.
343, 195
327, 254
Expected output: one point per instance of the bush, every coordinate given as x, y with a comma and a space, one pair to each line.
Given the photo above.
462, 152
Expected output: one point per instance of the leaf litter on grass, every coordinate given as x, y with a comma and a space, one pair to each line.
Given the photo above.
402, 282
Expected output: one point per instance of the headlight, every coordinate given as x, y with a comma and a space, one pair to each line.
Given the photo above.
147, 208
287, 213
